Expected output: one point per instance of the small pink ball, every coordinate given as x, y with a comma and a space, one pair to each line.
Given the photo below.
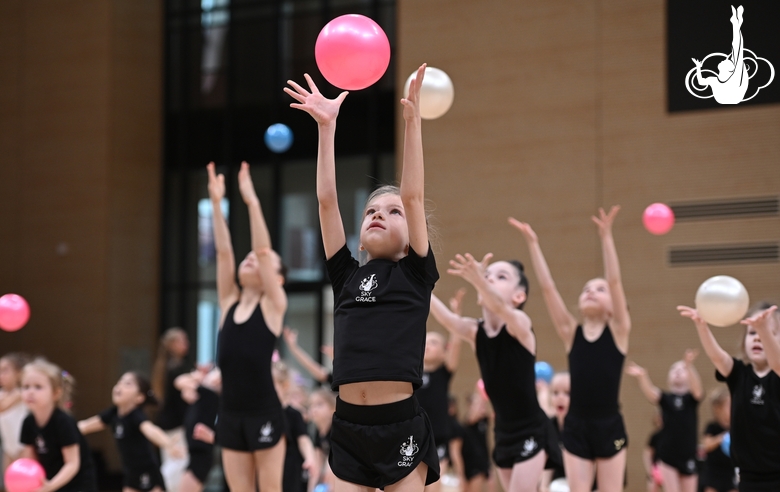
658, 219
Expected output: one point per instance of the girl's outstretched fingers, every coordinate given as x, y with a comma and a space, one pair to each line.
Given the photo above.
689, 312
216, 184
524, 228
690, 355
759, 317
456, 301
604, 220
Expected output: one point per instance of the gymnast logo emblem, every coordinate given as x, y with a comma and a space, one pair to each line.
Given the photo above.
408, 450
730, 84
619, 444
529, 446
40, 444
366, 287
119, 433
758, 395
678, 403
265, 432
145, 481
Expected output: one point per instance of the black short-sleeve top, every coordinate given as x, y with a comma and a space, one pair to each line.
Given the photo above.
380, 312
59, 432
755, 419
138, 454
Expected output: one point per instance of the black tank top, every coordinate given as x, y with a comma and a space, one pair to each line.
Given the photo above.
595, 368
244, 356
510, 380
379, 317
433, 396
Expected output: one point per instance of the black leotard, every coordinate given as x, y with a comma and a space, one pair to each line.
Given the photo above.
433, 397
244, 356
596, 368
510, 380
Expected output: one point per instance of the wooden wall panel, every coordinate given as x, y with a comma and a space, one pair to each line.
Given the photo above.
560, 107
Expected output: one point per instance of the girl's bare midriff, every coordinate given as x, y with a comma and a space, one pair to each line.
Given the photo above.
375, 392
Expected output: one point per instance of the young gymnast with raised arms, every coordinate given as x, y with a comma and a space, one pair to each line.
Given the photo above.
717, 473
505, 346
594, 435
250, 427
381, 437
50, 435
677, 447
134, 433
755, 395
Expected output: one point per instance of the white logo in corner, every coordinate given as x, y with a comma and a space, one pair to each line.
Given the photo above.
529, 446
265, 432
366, 287
758, 395
730, 84
408, 450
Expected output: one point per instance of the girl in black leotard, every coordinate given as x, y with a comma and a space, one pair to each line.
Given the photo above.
250, 426
594, 435
505, 346
677, 447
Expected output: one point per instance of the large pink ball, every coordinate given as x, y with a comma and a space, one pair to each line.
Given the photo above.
352, 52
24, 475
658, 219
14, 312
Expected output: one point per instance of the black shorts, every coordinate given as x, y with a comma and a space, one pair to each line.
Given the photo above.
592, 438
250, 431
146, 480
379, 445
683, 467
525, 442
721, 482
472, 472
750, 482
200, 463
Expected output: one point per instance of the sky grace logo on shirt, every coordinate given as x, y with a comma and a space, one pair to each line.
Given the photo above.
758, 395
366, 287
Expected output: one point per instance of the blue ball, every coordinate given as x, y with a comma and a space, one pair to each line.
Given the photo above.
725, 444
321, 487
278, 137
544, 371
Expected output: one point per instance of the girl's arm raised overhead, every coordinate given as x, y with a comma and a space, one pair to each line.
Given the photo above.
696, 386
318, 371
518, 324
453, 344
767, 325
621, 320
721, 359
324, 111
227, 289
412, 174
565, 323
465, 328
274, 297
651, 391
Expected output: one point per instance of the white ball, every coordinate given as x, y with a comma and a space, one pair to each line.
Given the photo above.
559, 485
436, 94
722, 300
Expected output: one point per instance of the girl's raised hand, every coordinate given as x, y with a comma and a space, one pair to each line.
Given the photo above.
245, 185
468, 268
689, 312
216, 184
604, 220
690, 356
323, 110
760, 317
411, 103
525, 229
290, 336
634, 369
456, 301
